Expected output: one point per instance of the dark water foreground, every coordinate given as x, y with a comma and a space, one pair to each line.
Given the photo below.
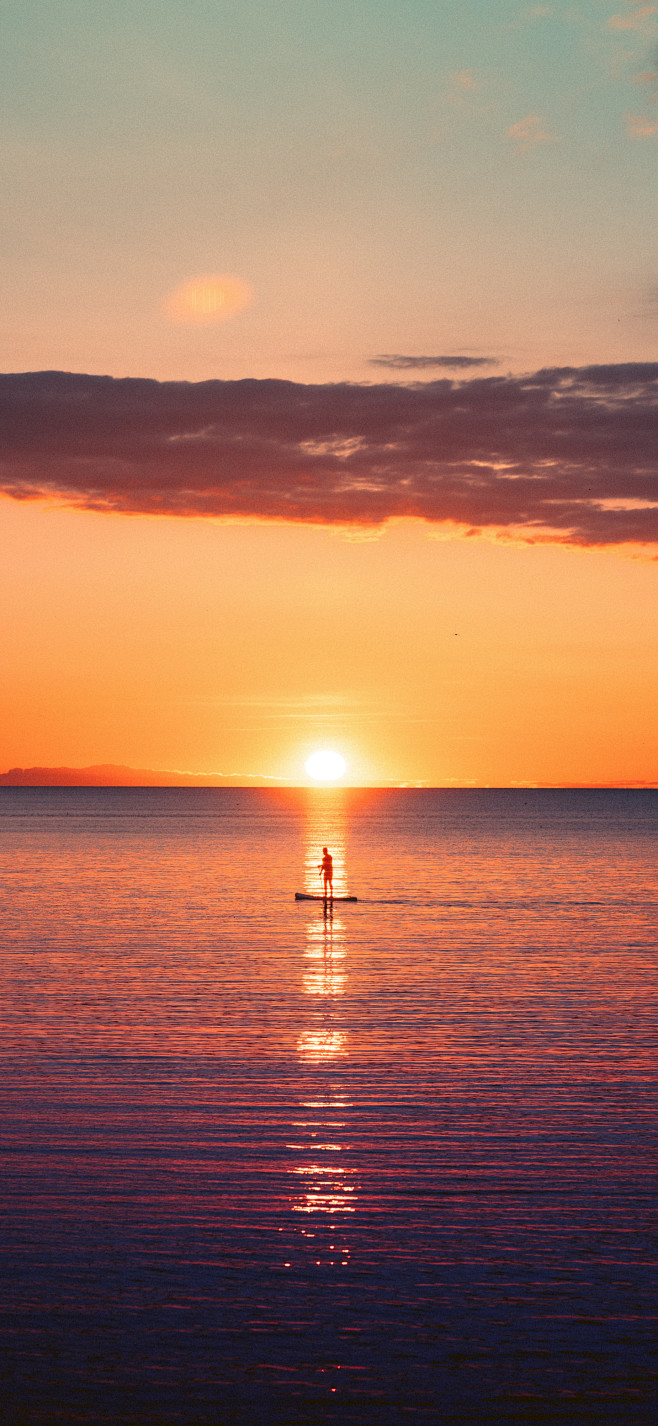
263, 1166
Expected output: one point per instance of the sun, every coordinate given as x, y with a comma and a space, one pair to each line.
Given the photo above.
326, 766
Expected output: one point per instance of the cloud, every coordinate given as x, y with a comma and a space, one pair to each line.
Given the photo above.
639, 127
399, 362
464, 79
565, 454
530, 15
529, 131
637, 19
202, 301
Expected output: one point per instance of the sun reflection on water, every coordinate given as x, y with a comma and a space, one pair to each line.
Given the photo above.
324, 1177
318, 1046
327, 1189
325, 954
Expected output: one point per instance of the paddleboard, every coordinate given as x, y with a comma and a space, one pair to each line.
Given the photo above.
307, 896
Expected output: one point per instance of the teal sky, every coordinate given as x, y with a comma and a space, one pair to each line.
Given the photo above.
415, 178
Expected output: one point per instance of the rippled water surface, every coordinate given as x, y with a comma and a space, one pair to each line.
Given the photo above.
263, 1164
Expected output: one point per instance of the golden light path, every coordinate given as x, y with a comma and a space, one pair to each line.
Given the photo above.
325, 1176
326, 766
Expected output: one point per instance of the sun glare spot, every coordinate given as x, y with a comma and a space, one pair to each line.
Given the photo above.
326, 766
204, 300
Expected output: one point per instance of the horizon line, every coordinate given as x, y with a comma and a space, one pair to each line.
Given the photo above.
120, 775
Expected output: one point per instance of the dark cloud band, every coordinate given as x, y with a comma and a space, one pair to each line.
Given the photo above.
395, 361
567, 454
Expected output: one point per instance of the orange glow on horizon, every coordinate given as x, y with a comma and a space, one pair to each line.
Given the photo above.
240, 650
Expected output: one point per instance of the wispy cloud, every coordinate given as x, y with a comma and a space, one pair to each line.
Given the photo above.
529, 131
639, 19
638, 126
530, 15
396, 361
314, 708
565, 454
465, 79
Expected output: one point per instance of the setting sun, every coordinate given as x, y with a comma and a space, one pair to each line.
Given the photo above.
326, 766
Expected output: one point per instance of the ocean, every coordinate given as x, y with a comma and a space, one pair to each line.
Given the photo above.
391, 1163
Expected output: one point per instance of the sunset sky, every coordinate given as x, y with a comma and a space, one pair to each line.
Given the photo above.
328, 388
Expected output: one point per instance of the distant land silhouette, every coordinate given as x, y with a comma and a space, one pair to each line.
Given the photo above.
114, 775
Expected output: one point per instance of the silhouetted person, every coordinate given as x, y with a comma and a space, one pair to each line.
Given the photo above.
326, 870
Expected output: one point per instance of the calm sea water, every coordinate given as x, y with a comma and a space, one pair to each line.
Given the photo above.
263, 1165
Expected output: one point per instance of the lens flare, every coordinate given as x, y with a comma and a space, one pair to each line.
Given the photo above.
326, 766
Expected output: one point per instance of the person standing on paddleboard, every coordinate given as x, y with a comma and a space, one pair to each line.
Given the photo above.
326, 869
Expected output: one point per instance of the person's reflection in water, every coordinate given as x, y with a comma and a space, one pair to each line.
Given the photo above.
325, 975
